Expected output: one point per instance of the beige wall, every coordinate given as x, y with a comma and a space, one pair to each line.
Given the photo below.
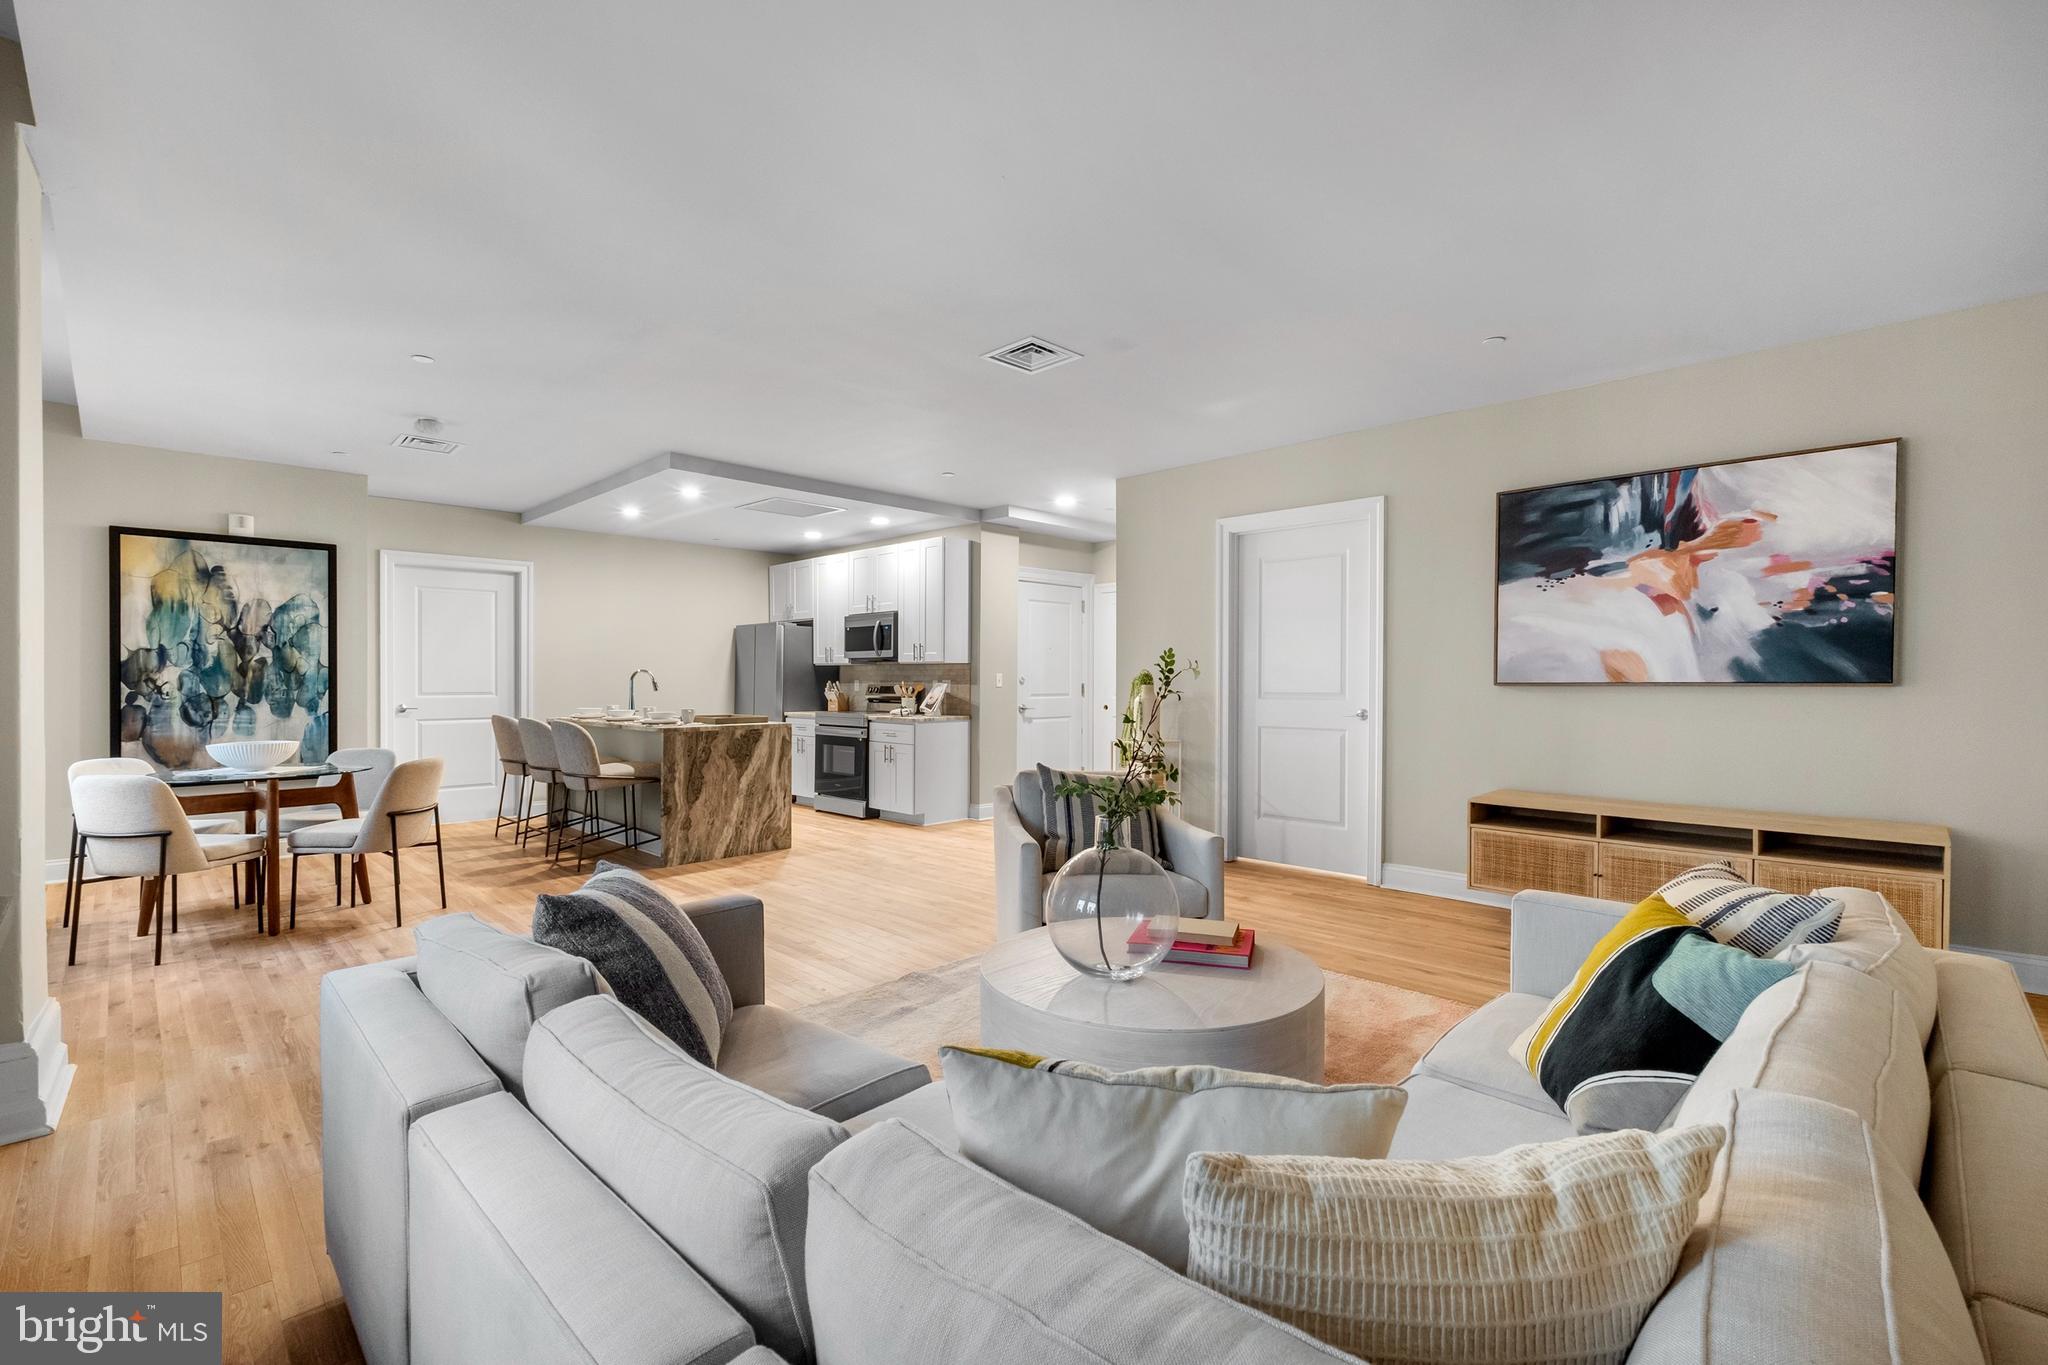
1961, 740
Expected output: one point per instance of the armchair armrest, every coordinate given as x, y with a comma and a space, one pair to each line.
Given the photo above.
735, 929
1550, 935
1194, 852
1020, 871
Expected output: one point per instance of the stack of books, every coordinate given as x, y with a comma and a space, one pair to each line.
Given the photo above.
1207, 943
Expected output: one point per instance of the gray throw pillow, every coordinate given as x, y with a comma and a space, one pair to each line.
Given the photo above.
1069, 823
649, 952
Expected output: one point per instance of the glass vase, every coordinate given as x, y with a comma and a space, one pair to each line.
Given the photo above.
1111, 911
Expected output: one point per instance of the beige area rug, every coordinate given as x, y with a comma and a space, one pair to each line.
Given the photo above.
1373, 1032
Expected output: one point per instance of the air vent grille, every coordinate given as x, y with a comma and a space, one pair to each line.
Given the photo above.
789, 507
1032, 354
433, 445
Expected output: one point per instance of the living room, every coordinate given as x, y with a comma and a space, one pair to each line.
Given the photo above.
1381, 746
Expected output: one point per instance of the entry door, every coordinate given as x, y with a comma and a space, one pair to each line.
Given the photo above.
451, 642
1301, 772
1052, 675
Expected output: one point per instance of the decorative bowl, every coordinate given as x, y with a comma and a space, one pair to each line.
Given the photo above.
251, 755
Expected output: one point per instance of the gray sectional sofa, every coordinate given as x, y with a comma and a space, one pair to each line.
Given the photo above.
1878, 1199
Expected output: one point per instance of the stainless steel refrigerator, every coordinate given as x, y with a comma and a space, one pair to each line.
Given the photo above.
774, 672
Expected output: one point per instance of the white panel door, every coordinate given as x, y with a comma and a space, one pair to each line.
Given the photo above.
1301, 770
1105, 697
452, 645
1052, 676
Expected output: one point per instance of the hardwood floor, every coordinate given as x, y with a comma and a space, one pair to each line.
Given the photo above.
188, 1156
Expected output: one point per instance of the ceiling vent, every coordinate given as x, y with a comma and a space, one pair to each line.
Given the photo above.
789, 507
1032, 354
433, 445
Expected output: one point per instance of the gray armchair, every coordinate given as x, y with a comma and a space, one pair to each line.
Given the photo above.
1195, 857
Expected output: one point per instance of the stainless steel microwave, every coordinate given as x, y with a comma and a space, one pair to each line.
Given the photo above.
870, 635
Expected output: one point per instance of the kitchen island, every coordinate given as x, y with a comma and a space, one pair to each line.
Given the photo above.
724, 784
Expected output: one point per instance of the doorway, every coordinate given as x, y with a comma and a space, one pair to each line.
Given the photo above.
455, 646
1105, 700
1300, 600
1052, 668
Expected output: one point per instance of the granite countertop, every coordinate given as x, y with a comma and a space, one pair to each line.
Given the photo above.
883, 716
629, 723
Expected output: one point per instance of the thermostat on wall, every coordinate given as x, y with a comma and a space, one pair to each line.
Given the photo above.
241, 524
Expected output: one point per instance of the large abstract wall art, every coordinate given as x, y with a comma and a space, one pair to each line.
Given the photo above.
216, 638
1777, 569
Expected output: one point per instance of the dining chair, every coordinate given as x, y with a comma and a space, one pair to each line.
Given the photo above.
372, 767
131, 825
78, 874
405, 814
581, 770
512, 769
537, 746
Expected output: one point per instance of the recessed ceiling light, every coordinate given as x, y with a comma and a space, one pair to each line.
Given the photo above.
423, 360
630, 512
1066, 502
337, 452
878, 521
945, 473
690, 492
1494, 341
814, 535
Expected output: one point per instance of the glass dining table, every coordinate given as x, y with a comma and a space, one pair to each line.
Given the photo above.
267, 791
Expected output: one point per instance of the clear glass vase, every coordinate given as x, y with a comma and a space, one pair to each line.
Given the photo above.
1111, 911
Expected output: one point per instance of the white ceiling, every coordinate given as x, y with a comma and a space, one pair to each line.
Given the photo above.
784, 234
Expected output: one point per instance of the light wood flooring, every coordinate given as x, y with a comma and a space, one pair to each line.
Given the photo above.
188, 1155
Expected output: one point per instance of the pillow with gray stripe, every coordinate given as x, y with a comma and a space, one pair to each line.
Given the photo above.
647, 950
1069, 823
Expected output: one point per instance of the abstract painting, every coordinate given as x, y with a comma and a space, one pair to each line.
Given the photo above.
1775, 569
219, 637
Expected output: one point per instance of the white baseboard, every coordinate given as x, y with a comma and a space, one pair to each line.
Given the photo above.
1431, 881
53, 870
985, 811
2032, 968
35, 1078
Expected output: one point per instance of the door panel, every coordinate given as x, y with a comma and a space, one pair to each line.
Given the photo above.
452, 642
1301, 768
1052, 673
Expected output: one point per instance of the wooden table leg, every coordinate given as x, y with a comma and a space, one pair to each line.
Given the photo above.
142, 906
345, 798
270, 858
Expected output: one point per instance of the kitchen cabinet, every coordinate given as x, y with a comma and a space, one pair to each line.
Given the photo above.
803, 769
932, 620
828, 622
793, 591
917, 770
871, 580
925, 582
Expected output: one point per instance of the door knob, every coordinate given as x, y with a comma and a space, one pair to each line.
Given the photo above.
403, 708
1362, 715
1022, 712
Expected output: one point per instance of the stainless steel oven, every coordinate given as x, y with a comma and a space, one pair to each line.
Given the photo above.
841, 742
870, 635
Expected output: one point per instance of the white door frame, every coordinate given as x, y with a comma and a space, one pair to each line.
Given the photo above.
388, 561
1086, 583
1373, 512
1103, 668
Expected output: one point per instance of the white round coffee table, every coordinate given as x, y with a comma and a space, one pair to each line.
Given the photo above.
1268, 1017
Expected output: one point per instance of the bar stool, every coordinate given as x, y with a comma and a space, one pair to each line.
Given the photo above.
537, 749
131, 825
581, 770
511, 768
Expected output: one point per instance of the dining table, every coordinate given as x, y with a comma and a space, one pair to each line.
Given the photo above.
266, 791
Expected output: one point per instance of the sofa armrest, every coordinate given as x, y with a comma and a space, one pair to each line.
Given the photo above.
1550, 936
1194, 852
387, 1058
735, 929
1020, 871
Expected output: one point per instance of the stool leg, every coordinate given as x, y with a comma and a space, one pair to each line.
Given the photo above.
440, 868
295, 891
174, 905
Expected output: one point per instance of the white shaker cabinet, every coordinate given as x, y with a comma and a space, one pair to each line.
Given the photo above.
917, 770
871, 580
828, 633
925, 582
932, 620
803, 770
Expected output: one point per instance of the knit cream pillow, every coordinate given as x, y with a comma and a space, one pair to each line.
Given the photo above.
1552, 1252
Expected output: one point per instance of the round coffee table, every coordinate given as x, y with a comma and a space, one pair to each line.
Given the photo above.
1268, 1017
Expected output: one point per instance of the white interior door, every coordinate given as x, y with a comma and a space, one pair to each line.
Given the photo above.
1303, 779
1105, 695
1052, 675
451, 653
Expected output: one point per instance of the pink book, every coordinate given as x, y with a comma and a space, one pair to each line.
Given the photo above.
1238, 954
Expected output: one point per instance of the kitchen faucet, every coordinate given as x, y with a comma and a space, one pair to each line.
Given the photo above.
633, 683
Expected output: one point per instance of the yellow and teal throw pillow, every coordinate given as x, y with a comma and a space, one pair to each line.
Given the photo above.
1657, 997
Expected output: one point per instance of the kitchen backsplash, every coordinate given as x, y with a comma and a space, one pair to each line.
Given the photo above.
959, 690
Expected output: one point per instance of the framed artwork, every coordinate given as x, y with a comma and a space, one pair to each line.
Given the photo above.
218, 637
1770, 569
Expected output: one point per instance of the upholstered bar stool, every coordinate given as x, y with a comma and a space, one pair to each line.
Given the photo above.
581, 770
131, 825
537, 748
511, 769
406, 814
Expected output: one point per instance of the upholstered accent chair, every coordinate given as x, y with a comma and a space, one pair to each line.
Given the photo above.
131, 825
1195, 856
406, 814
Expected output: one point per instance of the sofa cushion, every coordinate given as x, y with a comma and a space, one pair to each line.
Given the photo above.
1478, 1053
1987, 1185
648, 949
1444, 1119
492, 985
1875, 941
520, 1253
1832, 1033
1811, 1246
1984, 1024
811, 1066
1753, 918
926, 1109
718, 1169
1112, 1146
2010, 1335
917, 1255
1550, 1252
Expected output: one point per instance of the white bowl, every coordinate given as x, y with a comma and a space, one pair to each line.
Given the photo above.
252, 755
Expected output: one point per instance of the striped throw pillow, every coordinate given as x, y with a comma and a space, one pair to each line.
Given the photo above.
1069, 823
1751, 918
648, 952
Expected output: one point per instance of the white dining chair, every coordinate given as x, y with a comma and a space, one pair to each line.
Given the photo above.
131, 825
78, 873
537, 746
512, 770
406, 814
372, 767
581, 770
